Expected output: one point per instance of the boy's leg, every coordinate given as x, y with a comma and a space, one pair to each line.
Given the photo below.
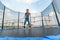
24, 23
29, 23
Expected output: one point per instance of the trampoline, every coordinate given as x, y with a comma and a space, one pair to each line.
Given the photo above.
45, 21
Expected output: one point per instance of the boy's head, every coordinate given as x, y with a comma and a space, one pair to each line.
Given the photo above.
27, 10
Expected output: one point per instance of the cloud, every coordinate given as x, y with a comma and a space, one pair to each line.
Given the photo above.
8, 15
52, 14
20, 5
27, 1
34, 13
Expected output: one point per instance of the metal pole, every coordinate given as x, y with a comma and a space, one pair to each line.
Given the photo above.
43, 29
45, 21
56, 14
3, 17
42, 20
18, 19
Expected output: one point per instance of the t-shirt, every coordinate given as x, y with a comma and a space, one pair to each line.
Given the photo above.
27, 15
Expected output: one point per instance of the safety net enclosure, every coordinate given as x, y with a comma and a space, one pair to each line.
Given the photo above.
44, 14
41, 15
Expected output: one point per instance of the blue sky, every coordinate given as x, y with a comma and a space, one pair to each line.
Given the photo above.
22, 5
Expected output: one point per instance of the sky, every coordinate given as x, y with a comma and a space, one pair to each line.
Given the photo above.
22, 5
35, 6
